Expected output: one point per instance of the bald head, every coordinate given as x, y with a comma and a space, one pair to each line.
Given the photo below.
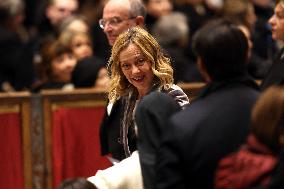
119, 15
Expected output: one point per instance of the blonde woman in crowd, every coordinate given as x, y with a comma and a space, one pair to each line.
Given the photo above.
137, 67
90, 70
79, 42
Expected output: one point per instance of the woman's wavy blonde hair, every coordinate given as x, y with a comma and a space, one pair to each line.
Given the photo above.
161, 65
281, 2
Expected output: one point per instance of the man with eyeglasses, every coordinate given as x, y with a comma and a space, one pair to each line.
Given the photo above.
119, 15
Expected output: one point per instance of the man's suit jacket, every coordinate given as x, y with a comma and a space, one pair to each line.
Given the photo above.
151, 117
213, 125
16, 61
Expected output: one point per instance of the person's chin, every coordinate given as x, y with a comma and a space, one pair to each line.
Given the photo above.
111, 40
138, 84
274, 37
87, 54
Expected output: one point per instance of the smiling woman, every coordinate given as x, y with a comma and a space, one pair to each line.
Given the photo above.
137, 66
137, 69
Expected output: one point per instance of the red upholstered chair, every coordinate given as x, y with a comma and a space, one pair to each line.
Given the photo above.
71, 121
15, 146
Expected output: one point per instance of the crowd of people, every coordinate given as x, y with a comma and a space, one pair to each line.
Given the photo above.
29, 28
229, 137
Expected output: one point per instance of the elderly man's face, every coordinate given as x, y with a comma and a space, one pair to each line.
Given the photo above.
61, 9
116, 19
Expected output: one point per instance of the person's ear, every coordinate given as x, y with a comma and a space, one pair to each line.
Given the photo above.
203, 71
48, 11
139, 20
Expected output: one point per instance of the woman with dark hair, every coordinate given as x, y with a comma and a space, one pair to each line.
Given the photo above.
56, 67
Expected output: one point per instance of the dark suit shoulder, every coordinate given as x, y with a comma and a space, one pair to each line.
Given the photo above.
275, 75
223, 106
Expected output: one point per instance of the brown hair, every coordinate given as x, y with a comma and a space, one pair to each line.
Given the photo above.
267, 117
66, 37
67, 21
50, 51
279, 1
237, 11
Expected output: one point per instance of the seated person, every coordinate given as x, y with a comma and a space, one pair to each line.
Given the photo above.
74, 22
79, 42
254, 164
174, 44
56, 68
90, 71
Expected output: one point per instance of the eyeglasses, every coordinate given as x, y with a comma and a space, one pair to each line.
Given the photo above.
112, 21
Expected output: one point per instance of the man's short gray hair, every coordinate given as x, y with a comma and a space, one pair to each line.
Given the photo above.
137, 8
12, 7
170, 28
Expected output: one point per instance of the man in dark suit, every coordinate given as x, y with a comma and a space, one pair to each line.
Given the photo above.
151, 116
275, 75
216, 123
